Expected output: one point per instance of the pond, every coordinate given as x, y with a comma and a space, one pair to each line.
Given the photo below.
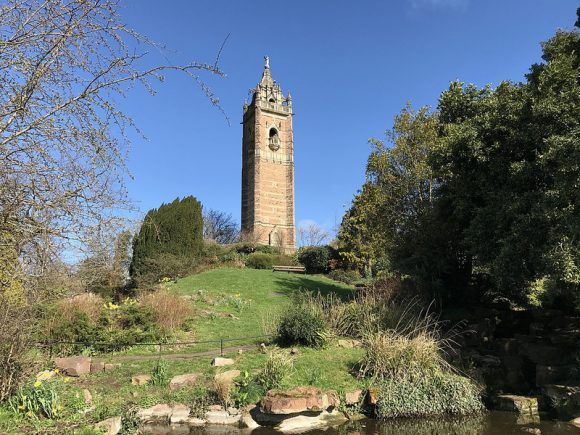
490, 423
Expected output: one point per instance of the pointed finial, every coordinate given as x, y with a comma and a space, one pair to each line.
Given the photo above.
267, 60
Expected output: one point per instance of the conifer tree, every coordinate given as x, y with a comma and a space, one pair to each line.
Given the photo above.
169, 241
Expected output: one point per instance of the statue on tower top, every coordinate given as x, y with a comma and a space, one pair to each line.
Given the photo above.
267, 60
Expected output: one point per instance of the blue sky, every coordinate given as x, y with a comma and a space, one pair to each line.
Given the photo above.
350, 65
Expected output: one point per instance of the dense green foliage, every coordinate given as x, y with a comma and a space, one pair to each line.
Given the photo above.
480, 197
260, 260
315, 258
169, 241
300, 325
438, 393
117, 327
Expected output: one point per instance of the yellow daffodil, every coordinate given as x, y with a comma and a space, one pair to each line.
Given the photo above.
37, 384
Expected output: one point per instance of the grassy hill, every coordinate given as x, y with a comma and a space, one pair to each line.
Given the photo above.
243, 302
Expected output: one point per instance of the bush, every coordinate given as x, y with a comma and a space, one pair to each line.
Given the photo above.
346, 276
170, 311
118, 326
436, 394
277, 368
300, 325
260, 260
315, 258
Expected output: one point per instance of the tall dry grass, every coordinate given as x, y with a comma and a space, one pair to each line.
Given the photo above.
170, 311
89, 304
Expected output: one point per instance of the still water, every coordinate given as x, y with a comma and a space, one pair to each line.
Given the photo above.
491, 423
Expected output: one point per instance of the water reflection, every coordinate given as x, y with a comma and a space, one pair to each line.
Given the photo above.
492, 423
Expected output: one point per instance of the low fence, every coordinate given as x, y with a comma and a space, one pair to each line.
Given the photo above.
223, 342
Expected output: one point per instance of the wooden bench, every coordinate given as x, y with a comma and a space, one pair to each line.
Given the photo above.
289, 269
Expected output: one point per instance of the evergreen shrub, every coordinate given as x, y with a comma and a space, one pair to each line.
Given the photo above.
315, 258
260, 260
299, 325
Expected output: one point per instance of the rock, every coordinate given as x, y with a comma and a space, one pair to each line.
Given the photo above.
195, 422
141, 379
87, 396
372, 396
179, 414
301, 423
575, 422
519, 404
221, 417
247, 422
227, 377
349, 343
181, 381
74, 366
111, 426
135, 394
240, 351
221, 362
564, 398
156, 414
233, 411
263, 347
294, 351
353, 397
298, 399
216, 408
97, 366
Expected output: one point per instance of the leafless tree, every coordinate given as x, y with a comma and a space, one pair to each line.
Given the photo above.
64, 64
220, 227
312, 235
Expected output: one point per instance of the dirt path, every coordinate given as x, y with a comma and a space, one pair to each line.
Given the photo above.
173, 356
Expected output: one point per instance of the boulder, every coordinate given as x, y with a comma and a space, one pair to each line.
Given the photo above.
575, 422
565, 399
227, 377
179, 414
111, 426
298, 399
222, 362
74, 365
159, 413
141, 379
97, 366
353, 397
221, 417
195, 422
181, 381
519, 404
302, 423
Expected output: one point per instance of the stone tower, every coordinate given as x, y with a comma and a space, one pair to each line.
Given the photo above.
268, 166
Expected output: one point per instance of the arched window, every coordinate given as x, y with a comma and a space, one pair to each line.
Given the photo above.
273, 140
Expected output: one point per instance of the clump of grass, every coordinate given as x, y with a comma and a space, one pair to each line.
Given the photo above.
88, 304
277, 368
159, 374
170, 311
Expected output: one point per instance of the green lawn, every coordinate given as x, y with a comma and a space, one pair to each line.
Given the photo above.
254, 298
